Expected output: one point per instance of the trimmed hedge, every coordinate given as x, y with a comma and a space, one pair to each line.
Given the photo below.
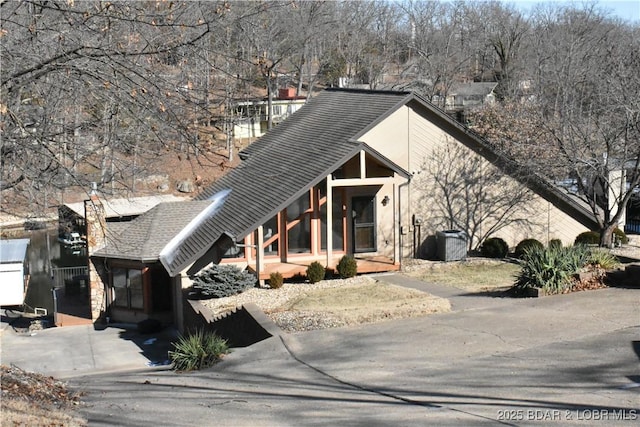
315, 272
494, 247
525, 245
275, 280
347, 267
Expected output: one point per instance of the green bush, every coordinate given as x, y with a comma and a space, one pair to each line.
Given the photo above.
550, 268
602, 258
275, 280
315, 272
593, 237
620, 236
347, 267
198, 350
494, 247
588, 238
526, 244
222, 280
555, 243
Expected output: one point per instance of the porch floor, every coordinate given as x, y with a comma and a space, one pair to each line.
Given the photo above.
376, 264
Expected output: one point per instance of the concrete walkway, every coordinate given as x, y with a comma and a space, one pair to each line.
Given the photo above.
568, 359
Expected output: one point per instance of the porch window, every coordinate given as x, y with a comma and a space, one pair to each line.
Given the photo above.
127, 288
337, 213
299, 225
271, 236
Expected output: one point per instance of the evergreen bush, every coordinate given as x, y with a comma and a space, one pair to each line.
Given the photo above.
620, 236
222, 280
315, 272
198, 350
347, 267
526, 244
494, 247
275, 280
555, 243
587, 238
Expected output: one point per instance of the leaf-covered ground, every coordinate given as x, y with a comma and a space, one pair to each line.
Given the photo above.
30, 399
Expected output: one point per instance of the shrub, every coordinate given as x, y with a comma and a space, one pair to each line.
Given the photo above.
315, 272
587, 238
620, 236
602, 258
347, 267
593, 237
199, 350
550, 268
555, 243
222, 281
275, 280
526, 244
494, 247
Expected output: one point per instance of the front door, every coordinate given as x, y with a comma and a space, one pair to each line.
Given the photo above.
364, 224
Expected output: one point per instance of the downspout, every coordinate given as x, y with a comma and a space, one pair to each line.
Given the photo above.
405, 184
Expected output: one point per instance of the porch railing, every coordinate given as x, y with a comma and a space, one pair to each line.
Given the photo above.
632, 226
60, 275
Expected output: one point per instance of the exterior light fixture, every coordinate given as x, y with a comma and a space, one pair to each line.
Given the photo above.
385, 201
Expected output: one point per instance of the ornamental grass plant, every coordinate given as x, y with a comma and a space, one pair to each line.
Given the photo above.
198, 350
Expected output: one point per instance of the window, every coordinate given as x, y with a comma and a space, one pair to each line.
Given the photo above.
127, 288
299, 225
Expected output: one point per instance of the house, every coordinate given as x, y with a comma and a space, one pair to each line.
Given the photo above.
465, 95
14, 271
253, 115
341, 176
71, 215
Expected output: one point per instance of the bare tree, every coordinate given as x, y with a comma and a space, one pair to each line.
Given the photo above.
585, 111
81, 81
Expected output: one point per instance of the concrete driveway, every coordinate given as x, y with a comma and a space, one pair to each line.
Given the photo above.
568, 359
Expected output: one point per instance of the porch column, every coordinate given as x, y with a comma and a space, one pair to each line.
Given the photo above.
397, 215
329, 236
260, 253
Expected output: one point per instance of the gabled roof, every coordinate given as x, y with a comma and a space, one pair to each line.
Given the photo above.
472, 89
143, 238
115, 208
289, 160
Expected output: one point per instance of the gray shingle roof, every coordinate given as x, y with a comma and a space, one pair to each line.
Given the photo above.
143, 238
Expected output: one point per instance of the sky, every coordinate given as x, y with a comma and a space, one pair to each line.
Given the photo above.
629, 10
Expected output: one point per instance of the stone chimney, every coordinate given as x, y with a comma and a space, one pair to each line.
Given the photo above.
96, 222
96, 231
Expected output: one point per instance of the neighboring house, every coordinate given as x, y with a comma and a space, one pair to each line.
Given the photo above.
14, 271
71, 215
253, 115
465, 95
335, 179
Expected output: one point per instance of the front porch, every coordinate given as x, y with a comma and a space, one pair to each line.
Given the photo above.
292, 268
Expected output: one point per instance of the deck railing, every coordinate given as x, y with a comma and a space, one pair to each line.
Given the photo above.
60, 275
632, 226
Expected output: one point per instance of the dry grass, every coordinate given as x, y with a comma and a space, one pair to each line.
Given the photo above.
25, 413
355, 303
32, 399
472, 276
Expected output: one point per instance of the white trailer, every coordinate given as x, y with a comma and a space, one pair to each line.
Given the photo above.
14, 271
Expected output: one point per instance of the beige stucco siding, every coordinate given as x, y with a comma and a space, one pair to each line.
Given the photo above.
409, 139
